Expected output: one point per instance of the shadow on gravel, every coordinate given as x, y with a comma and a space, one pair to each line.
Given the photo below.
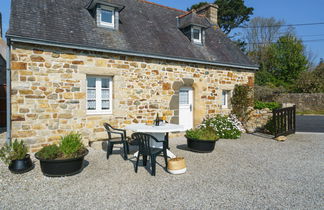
183, 147
263, 135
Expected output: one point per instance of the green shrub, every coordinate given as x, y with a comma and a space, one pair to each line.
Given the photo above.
241, 100
50, 152
269, 105
223, 126
71, 145
15, 151
207, 134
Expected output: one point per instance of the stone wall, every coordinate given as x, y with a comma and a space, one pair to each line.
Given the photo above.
257, 119
303, 101
49, 91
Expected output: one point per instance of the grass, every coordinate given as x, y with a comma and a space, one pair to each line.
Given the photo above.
311, 112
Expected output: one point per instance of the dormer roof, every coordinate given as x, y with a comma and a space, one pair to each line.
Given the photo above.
193, 19
93, 3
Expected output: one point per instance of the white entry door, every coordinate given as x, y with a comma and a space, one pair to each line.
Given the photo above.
186, 107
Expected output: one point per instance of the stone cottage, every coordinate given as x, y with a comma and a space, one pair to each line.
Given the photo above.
76, 64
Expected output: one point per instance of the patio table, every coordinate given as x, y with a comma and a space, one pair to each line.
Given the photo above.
158, 132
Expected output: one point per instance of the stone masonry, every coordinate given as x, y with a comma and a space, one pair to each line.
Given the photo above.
49, 91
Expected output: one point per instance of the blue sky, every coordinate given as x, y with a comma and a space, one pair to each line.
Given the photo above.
292, 11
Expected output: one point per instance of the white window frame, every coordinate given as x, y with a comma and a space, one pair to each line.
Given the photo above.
197, 41
227, 95
103, 23
98, 88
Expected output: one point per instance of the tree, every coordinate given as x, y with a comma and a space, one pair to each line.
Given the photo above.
259, 34
286, 60
231, 13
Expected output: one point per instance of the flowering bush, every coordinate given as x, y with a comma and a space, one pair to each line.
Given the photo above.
226, 127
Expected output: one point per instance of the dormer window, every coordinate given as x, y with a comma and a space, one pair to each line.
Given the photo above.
107, 17
197, 35
106, 13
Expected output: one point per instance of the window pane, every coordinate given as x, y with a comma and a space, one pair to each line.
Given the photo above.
91, 94
184, 97
91, 82
105, 83
196, 34
105, 104
91, 105
224, 102
105, 93
106, 16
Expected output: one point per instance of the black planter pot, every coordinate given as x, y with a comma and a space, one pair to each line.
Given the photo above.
203, 146
21, 166
56, 168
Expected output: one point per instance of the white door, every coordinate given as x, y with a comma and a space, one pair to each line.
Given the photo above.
186, 108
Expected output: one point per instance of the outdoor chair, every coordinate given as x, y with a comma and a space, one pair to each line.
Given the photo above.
145, 150
116, 140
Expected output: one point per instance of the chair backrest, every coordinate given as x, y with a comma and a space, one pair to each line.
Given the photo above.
143, 140
109, 129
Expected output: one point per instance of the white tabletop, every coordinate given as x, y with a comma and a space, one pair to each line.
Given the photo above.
162, 128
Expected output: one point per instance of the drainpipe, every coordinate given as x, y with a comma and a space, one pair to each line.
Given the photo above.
8, 97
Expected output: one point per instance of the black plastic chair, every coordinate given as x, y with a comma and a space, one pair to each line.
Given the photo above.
145, 150
117, 140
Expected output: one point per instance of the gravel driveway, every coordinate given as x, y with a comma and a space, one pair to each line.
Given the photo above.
250, 173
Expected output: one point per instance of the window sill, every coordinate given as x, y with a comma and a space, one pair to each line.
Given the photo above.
99, 113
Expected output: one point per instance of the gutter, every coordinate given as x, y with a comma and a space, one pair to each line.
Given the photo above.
8, 94
127, 53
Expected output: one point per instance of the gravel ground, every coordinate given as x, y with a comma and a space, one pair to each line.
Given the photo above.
250, 173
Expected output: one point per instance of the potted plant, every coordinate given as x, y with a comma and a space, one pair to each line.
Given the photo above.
201, 139
65, 159
15, 156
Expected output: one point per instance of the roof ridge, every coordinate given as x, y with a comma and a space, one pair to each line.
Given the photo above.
160, 5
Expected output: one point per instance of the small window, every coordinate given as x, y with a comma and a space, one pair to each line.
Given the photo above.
226, 94
107, 17
196, 35
99, 95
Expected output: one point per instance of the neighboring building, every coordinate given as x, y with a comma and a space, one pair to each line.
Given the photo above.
77, 64
3, 47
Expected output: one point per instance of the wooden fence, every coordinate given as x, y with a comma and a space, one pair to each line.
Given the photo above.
284, 121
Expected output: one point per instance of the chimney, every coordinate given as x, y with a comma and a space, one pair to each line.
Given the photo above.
210, 11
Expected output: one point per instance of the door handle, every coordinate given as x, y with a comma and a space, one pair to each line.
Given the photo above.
190, 107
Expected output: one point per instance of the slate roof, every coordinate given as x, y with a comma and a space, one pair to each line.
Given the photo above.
144, 28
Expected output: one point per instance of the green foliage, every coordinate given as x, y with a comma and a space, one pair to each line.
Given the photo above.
223, 126
242, 99
207, 134
311, 82
269, 105
198, 5
15, 151
71, 144
231, 13
70, 147
50, 152
285, 61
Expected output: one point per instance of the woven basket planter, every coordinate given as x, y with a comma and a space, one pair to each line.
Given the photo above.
177, 165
